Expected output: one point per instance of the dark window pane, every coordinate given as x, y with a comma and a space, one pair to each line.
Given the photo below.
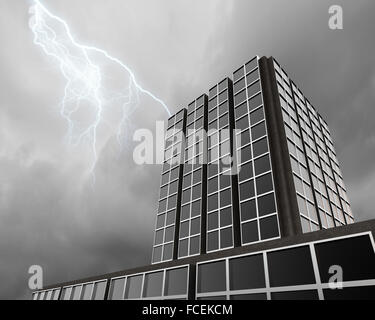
253, 89
260, 147
247, 190
196, 208
254, 296
194, 245
239, 85
264, 184
171, 217
250, 232
197, 176
223, 85
241, 110
225, 198
351, 293
186, 195
246, 153
212, 202
184, 229
213, 241
212, 298
295, 295
211, 277
226, 217
223, 96
212, 169
133, 287
212, 185
240, 97
238, 74
290, 267
255, 102
248, 210
156, 257
262, 165
160, 221
183, 248
225, 180
251, 77
197, 191
153, 284
168, 251
354, 255
172, 201
251, 64
269, 227
226, 238
246, 171
257, 116
243, 123
258, 131
195, 226
266, 204
169, 234
159, 236
247, 272
213, 220
176, 281
185, 212
243, 139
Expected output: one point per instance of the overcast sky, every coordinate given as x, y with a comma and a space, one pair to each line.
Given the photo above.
50, 212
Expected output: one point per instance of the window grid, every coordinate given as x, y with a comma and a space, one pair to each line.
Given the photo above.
317, 286
219, 176
166, 215
189, 243
248, 123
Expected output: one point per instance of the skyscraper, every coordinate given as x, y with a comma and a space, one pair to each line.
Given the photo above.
252, 204
283, 179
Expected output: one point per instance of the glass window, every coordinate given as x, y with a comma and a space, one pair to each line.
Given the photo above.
253, 89
133, 287
99, 290
226, 217
213, 220
195, 226
247, 189
254, 296
264, 184
240, 97
295, 295
242, 123
245, 171
176, 281
225, 198
211, 277
355, 256
350, 293
290, 267
251, 64
212, 202
159, 236
251, 77
246, 272
238, 74
260, 147
153, 284
183, 248
226, 238
262, 165
117, 289
248, 210
194, 245
171, 216
266, 204
196, 209
184, 229
258, 131
256, 116
169, 234
255, 102
246, 153
65, 294
168, 251
156, 257
76, 293
250, 232
213, 240
269, 227
87, 291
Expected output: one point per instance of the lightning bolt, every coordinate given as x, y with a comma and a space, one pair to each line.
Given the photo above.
84, 89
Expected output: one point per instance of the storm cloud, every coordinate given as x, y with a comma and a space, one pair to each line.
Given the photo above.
51, 213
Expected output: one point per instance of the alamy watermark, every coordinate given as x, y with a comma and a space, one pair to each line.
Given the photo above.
196, 147
335, 21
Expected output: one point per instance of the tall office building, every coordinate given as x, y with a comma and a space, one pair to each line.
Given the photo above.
257, 163
252, 204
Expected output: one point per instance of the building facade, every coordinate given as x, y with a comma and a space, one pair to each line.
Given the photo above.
252, 204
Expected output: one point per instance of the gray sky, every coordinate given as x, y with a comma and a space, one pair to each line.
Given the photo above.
52, 215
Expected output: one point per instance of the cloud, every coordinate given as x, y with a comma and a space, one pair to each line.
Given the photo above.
52, 215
